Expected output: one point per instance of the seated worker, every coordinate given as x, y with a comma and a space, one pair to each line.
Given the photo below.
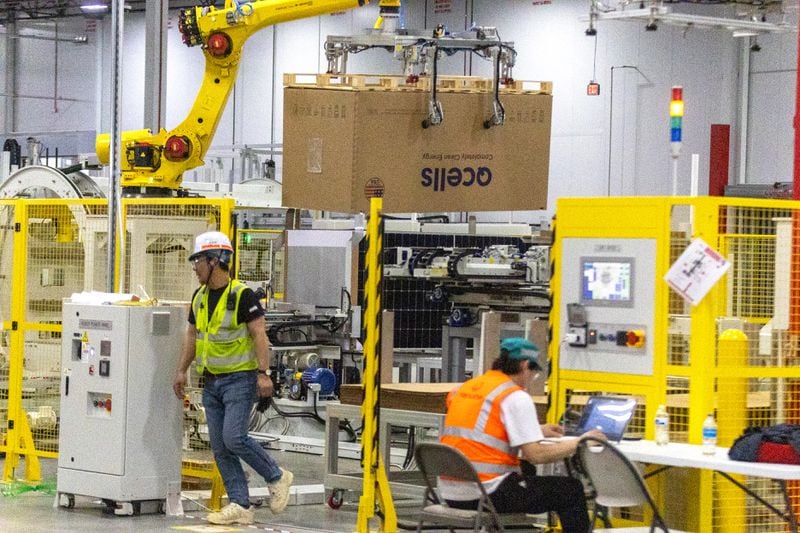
492, 420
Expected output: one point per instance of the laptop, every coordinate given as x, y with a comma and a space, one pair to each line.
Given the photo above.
609, 414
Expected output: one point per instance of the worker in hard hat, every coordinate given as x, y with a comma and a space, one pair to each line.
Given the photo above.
492, 420
227, 336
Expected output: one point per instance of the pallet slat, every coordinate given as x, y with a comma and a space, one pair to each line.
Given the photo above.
383, 82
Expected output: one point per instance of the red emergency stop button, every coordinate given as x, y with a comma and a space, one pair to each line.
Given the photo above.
635, 338
108, 404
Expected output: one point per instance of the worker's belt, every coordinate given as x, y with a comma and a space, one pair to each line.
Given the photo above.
211, 377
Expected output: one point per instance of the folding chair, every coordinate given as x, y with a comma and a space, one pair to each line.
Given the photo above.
617, 483
435, 460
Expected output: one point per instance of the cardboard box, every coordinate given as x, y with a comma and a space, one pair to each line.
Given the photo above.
425, 397
340, 142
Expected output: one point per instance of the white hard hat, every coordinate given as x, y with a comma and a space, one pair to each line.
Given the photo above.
212, 243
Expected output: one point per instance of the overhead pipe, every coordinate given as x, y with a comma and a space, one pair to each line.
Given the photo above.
116, 233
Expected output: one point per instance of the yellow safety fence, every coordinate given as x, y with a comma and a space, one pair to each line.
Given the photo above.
735, 354
50, 249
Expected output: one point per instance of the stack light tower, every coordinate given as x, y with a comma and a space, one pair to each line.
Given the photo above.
675, 131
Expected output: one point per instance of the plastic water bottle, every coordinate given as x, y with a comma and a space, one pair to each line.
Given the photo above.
710, 435
662, 426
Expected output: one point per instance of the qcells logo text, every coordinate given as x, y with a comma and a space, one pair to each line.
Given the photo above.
439, 178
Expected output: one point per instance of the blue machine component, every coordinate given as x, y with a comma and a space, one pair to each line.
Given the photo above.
460, 317
323, 376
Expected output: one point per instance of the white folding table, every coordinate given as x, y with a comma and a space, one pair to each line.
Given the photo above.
676, 454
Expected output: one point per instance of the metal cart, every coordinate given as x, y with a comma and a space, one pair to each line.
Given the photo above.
403, 484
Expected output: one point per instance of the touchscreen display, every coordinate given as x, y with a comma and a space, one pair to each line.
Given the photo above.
606, 281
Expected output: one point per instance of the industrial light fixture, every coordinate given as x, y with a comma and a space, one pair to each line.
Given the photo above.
94, 8
651, 22
654, 12
591, 31
593, 88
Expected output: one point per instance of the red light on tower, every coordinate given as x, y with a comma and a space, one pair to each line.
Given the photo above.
676, 120
676, 104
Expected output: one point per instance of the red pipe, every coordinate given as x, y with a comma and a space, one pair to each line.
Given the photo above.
718, 159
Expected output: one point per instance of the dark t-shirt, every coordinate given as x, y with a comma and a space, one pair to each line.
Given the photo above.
249, 305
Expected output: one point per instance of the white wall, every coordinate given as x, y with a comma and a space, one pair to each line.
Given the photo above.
55, 78
773, 80
595, 149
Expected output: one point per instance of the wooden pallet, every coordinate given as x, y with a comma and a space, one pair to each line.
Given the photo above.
384, 82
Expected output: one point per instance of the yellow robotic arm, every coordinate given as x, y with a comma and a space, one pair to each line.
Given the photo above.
154, 164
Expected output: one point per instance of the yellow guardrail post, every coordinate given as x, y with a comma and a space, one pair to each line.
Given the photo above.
19, 440
732, 413
375, 478
702, 365
556, 398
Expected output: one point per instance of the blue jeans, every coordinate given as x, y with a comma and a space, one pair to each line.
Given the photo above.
228, 400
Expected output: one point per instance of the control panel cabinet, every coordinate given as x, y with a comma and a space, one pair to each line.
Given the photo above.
121, 425
607, 314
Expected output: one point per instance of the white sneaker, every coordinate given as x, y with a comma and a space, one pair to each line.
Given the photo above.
233, 513
279, 492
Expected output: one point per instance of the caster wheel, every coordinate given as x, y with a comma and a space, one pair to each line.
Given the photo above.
67, 501
110, 506
336, 499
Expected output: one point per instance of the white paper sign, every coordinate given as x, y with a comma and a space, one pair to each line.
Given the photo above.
697, 270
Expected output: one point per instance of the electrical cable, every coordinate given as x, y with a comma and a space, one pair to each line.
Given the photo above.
344, 425
412, 438
300, 414
426, 218
273, 333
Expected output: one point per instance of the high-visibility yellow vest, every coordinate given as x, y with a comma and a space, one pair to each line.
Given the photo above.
222, 344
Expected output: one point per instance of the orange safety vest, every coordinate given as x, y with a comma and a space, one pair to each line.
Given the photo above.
473, 424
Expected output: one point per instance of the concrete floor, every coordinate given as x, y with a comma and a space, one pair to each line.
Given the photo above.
33, 512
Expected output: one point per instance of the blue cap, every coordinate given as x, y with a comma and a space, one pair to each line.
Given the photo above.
520, 348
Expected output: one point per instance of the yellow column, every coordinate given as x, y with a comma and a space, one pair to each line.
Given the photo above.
19, 440
554, 390
731, 419
375, 479
702, 362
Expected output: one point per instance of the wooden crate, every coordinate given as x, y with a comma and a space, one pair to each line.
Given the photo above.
385, 82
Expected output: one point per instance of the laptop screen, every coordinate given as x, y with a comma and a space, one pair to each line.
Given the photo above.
608, 414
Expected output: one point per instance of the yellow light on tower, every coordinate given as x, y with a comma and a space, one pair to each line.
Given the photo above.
676, 104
